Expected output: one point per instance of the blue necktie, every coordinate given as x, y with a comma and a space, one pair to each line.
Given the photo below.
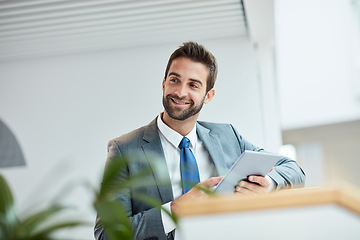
188, 166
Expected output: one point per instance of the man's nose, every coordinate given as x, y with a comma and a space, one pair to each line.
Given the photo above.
181, 91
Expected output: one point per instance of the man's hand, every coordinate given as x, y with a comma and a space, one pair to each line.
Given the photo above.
255, 184
196, 192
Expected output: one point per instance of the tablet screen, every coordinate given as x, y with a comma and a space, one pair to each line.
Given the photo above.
249, 163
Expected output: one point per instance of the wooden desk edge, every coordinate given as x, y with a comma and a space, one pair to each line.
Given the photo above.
347, 197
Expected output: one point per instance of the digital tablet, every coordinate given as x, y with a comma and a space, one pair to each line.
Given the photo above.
249, 163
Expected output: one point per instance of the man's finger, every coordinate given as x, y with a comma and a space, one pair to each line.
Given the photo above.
250, 186
211, 181
262, 181
242, 191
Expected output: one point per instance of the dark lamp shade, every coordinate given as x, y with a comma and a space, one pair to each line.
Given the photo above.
10, 151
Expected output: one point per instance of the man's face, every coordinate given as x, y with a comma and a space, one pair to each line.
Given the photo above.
184, 88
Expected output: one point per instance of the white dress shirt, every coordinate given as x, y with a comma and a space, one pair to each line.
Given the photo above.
170, 141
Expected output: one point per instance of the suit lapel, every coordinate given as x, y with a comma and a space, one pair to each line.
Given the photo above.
154, 153
155, 156
213, 146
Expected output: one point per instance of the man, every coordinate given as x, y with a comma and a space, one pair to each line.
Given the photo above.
188, 84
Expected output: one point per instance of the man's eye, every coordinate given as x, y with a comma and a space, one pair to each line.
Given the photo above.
173, 80
193, 86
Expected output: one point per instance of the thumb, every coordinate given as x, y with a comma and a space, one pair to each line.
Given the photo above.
211, 181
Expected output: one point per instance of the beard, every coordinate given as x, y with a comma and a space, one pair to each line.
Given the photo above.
177, 113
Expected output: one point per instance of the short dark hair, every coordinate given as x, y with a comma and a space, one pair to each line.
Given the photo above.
196, 53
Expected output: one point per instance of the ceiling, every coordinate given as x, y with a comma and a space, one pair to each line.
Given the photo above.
30, 28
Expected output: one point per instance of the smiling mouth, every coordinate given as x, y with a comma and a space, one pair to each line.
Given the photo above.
179, 102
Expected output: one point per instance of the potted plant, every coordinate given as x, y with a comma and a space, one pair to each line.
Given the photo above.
43, 224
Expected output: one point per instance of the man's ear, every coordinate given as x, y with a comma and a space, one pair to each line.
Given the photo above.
163, 84
209, 95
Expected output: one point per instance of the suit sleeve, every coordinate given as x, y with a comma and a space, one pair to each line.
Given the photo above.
146, 223
286, 174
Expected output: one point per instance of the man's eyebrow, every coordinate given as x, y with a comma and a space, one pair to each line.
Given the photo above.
196, 80
175, 74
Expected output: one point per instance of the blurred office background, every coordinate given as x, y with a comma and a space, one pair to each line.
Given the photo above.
75, 74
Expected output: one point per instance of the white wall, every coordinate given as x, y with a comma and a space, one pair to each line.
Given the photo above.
64, 109
317, 59
317, 47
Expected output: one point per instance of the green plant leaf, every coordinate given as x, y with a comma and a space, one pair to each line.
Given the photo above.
45, 233
6, 198
8, 219
114, 219
32, 222
111, 173
35, 226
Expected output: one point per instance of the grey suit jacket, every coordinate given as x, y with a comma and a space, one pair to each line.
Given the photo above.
224, 145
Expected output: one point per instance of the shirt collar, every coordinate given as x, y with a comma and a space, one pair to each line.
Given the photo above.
174, 137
